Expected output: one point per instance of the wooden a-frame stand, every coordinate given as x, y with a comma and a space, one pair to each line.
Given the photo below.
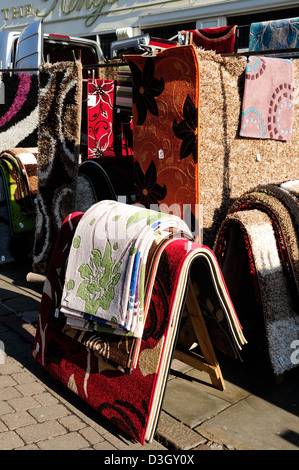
206, 362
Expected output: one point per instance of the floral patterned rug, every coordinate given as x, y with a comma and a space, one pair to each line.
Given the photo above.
165, 137
91, 364
104, 288
109, 122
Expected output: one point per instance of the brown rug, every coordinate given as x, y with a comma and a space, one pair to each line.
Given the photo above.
60, 87
165, 132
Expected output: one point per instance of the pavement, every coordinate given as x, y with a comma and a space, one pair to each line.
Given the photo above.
39, 413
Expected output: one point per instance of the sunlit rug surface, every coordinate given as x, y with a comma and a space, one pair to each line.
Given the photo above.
6, 255
19, 168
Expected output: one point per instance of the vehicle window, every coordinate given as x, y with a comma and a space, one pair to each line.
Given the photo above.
55, 51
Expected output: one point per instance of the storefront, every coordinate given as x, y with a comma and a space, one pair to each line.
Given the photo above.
163, 18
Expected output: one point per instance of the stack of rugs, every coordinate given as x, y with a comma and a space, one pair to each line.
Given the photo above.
18, 191
111, 308
257, 248
18, 184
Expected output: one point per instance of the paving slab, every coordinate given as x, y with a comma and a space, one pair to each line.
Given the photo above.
10, 441
189, 404
177, 435
254, 424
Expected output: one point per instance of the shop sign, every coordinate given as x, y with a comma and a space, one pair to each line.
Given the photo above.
91, 9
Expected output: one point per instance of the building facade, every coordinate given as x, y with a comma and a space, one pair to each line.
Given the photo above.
100, 19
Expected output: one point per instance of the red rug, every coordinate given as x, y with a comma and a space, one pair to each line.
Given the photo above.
109, 130
221, 39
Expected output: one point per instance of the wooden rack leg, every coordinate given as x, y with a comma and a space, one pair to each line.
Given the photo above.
208, 362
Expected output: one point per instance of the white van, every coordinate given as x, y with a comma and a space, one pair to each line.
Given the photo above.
32, 47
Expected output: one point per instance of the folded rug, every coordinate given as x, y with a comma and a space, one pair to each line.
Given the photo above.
131, 402
6, 255
106, 267
18, 110
282, 204
220, 40
19, 170
58, 154
257, 249
268, 100
276, 34
165, 140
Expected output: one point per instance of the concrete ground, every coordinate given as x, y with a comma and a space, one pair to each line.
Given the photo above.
38, 413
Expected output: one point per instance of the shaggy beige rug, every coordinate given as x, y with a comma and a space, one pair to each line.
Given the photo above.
230, 165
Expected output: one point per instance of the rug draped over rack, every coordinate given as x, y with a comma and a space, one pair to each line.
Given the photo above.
258, 250
276, 34
165, 137
268, 99
18, 173
60, 97
105, 277
93, 364
220, 39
